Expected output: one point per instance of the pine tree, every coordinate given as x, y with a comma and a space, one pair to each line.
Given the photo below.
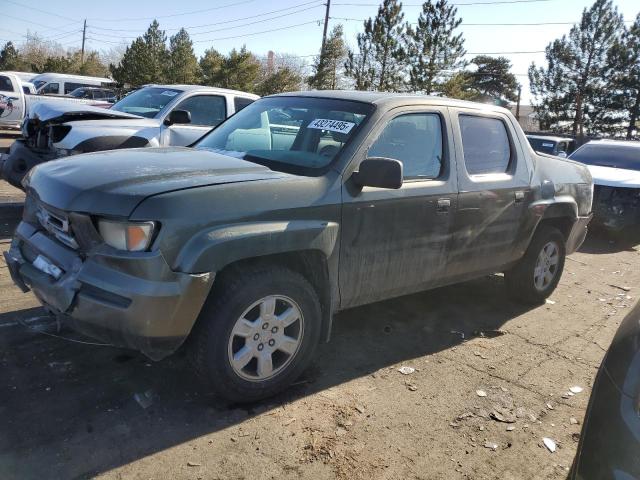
156, 46
381, 61
144, 61
360, 66
284, 79
240, 70
624, 77
458, 86
326, 68
10, 58
573, 85
388, 40
493, 81
211, 65
183, 65
433, 46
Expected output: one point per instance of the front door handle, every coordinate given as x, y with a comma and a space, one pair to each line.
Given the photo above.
519, 195
443, 205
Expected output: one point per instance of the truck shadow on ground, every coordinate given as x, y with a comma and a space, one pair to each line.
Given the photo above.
74, 410
601, 241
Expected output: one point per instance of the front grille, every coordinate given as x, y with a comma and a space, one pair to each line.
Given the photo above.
57, 224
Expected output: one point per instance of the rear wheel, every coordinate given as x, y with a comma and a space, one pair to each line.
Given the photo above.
256, 334
537, 274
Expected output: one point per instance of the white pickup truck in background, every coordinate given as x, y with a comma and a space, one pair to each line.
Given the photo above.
15, 103
152, 116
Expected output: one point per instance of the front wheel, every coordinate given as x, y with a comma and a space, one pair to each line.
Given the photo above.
537, 274
256, 334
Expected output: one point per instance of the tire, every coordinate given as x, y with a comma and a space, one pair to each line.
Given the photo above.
523, 280
232, 326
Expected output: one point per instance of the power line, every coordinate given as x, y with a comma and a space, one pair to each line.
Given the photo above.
491, 2
31, 7
506, 53
259, 33
35, 23
347, 19
174, 14
211, 40
224, 22
225, 28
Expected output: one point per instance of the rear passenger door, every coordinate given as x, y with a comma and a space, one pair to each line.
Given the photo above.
395, 242
494, 185
207, 111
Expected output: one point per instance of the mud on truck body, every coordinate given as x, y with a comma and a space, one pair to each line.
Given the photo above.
303, 204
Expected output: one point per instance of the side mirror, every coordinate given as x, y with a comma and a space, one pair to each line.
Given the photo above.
178, 116
379, 172
562, 154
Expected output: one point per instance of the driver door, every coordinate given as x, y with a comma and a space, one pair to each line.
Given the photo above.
207, 112
395, 242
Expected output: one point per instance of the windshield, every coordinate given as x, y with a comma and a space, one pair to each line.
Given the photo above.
541, 145
38, 83
296, 134
146, 102
609, 155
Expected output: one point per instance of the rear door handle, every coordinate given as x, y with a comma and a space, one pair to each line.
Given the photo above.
519, 195
443, 205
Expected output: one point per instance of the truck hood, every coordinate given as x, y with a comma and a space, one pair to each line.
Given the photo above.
60, 112
615, 177
116, 181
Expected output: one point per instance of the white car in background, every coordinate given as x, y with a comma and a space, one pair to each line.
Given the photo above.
153, 116
615, 168
64, 83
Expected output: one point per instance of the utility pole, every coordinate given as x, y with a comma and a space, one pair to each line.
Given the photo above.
518, 104
84, 34
326, 24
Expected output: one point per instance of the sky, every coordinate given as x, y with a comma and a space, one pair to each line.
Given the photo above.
294, 26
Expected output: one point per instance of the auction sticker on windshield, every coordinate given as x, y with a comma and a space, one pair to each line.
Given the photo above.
331, 125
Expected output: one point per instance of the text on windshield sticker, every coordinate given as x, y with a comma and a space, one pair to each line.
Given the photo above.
331, 125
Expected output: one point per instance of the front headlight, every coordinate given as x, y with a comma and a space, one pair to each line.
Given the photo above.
131, 236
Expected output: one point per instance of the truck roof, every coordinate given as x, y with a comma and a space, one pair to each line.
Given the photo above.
394, 99
190, 88
70, 76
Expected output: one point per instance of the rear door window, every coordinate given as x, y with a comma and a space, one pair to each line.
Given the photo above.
52, 88
207, 110
485, 144
5, 84
416, 140
240, 102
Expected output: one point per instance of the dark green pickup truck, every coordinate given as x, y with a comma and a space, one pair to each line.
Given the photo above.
298, 206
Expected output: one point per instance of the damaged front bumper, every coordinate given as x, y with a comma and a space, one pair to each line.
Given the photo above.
128, 299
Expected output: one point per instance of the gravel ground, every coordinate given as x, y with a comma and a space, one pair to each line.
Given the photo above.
73, 410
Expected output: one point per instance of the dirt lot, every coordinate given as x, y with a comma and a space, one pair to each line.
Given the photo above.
72, 410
